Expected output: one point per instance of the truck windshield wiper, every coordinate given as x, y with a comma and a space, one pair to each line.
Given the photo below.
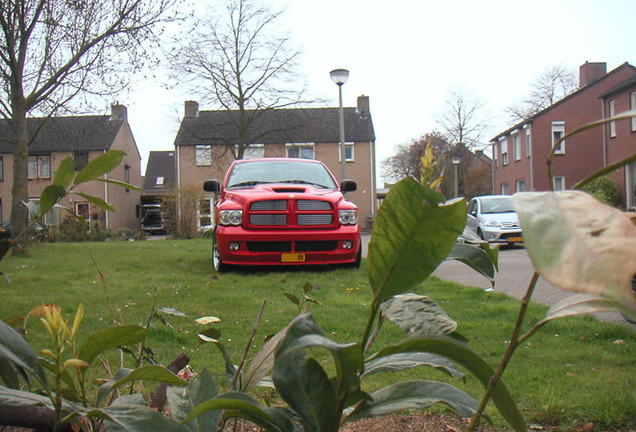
305, 182
246, 183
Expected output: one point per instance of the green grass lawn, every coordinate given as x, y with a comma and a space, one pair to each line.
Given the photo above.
572, 370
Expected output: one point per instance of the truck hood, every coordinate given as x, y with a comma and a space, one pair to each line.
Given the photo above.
274, 191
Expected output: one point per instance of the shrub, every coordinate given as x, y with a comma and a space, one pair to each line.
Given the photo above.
604, 190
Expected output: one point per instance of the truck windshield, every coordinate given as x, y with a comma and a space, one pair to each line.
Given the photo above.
246, 174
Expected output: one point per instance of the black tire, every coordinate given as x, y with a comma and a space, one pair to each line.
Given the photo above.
217, 264
627, 317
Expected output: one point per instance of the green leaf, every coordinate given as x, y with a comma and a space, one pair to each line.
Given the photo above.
230, 368
580, 304
8, 374
413, 234
16, 350
10, 397
144, 373
135, 418
262, 362
304, 385
50, 195
64, 173
96, 201
292, 298
475, 257
183, 400
414, 395
120, 184
404, 361
461, 354
237, 403
99, 166
109, 338
578, 244
417, 315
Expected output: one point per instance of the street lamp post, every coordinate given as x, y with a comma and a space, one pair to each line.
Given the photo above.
340, 76
456, 162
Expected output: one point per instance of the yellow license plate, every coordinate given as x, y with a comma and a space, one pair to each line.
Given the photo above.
515, 239
292, 257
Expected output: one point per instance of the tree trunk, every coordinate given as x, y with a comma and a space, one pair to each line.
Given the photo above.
19, 191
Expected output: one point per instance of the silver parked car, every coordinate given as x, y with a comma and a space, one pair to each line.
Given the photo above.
493, 218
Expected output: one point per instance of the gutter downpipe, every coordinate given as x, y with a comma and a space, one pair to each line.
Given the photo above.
604, 134
372, 173
106, 213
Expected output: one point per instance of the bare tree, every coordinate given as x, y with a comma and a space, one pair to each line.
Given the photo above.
241, 63
53, 50
462, 120
550, 86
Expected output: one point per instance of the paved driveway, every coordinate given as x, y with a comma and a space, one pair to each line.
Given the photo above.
515, 272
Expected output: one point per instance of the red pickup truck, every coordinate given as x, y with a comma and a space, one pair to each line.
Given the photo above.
277, 211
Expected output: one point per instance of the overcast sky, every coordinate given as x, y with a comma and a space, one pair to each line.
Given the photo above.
406, 55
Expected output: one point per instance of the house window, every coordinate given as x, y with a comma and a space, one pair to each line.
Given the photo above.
516, 142
83, 210
204, 213
632, 106
631, 186
160, 181
558, 130
612, 113
81, 159
520, 186
495, 158
504, 152
528, 143
349, 155
1, 171
254, 151
505, 188
203, 155
559, 183
39, 167
300, 151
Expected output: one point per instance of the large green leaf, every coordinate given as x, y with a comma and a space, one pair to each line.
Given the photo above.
96, 201
304, 385
241, 405
409, 360
19, 398
144, 373
49, 196
16, 350
578, 244
99, 166
183, 400
8, 374
580, 304
64, 173
461, 354
111, 337
135, 418
120, 184
417, 315
415, 394
477, 258
262, 362
413, 234
304, 332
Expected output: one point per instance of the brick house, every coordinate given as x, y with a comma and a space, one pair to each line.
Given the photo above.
83, 138
520, 152
159, 179
202, 141
619, 138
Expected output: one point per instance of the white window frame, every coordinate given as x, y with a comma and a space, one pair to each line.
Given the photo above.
558, 127
516, 146
302, 148
202, 216
630, 186
520, 185
505, 189
504, 152
159, 182
39, 167
558, 183
348, 157
612, 124
528, 143
632, 106
203, 155
253, 151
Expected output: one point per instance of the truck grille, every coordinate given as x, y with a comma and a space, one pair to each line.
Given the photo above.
278, 213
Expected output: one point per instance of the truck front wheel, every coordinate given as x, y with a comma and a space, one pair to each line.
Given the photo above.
218, 265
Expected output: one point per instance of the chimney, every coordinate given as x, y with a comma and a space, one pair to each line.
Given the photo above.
590, 72
191, 109
118, 112
363, 106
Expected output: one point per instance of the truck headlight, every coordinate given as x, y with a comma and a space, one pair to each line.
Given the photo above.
348, 217
231, 217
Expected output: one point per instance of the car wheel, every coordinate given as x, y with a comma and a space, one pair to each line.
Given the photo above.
481, 235
218, 265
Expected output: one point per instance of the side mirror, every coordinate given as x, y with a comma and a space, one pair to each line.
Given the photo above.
348, 186
473, 213
212, 186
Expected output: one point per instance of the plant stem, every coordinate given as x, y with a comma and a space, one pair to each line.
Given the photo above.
514, 343
248, 345
369, 327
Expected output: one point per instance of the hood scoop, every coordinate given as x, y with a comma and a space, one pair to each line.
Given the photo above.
289, 190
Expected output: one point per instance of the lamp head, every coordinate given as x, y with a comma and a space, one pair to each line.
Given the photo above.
456, 160
339, 76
